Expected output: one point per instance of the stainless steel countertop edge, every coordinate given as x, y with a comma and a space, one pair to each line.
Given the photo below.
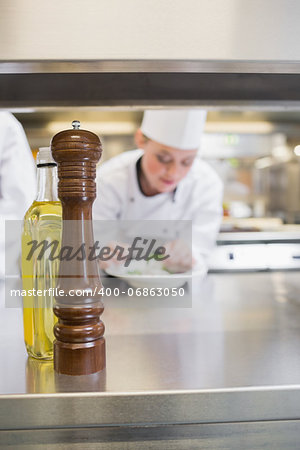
260, 236
155, 392
135, 408
154, 65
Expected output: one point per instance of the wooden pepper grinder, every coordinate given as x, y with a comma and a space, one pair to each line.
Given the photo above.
79, 347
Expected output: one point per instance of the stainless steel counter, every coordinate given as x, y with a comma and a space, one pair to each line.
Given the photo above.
259, 237
224, 373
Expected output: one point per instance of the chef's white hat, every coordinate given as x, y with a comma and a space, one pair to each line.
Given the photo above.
179, 128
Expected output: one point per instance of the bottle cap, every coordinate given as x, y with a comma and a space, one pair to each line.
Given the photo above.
44, 157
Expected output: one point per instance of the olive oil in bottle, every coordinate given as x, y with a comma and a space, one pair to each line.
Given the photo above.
41, 239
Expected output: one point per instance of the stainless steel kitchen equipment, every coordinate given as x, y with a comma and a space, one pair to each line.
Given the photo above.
215, 54
281, 184
224, 373
256, 251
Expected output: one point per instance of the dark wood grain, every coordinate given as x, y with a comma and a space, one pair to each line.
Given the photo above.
79, 347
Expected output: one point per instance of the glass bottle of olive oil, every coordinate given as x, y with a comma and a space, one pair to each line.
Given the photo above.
41, 240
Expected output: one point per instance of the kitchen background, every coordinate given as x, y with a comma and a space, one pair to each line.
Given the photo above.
256, 153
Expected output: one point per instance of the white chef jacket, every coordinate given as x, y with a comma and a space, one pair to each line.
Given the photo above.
198, 198
17, 178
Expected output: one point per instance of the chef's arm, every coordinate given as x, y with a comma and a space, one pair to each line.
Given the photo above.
17, 178
206, 225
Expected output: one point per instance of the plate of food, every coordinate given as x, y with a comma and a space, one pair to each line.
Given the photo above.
148, 274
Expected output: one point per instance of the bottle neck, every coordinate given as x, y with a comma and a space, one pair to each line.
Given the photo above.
47, 184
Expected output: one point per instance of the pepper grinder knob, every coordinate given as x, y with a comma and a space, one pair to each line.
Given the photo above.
76, 124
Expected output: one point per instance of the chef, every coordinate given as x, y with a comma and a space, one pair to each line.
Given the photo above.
17, 179
165, 180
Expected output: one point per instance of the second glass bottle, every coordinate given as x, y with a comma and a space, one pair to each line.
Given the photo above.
42, 223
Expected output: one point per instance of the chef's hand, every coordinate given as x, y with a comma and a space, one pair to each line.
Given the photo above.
180, 259
113, 260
